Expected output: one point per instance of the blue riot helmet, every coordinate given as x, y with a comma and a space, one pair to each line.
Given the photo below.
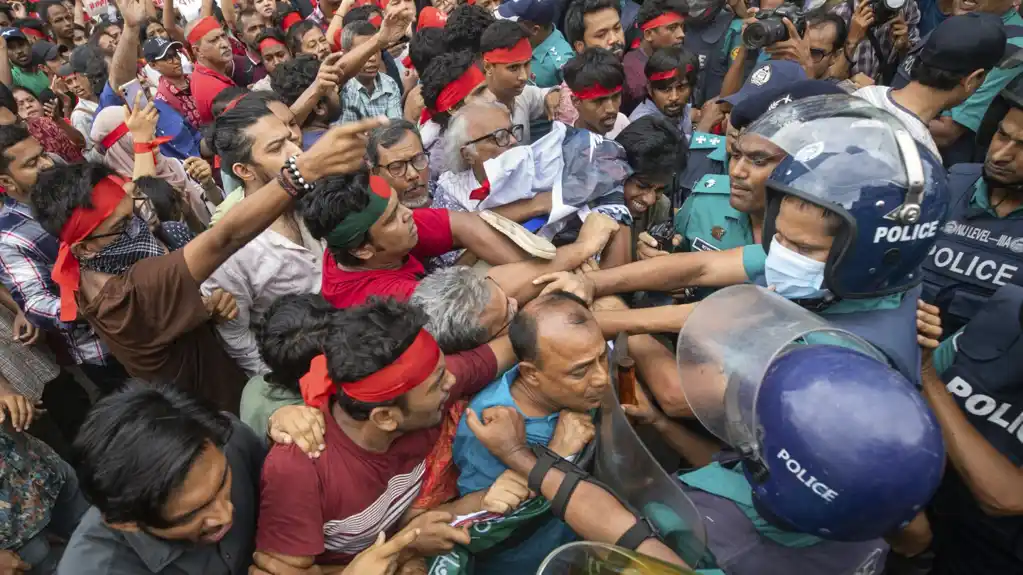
860, 164
833, 442
850, 450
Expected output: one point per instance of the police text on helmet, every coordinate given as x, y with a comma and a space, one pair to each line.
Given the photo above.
915, 232
819, 489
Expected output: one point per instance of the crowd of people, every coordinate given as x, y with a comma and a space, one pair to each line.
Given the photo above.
388, 286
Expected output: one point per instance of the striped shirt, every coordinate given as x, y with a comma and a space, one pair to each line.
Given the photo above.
333, 507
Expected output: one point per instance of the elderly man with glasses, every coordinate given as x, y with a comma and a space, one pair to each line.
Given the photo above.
395, 153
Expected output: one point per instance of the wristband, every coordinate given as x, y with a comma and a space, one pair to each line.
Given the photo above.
294, 176
145, 147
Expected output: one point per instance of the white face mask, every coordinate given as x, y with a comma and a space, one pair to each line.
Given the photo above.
793, 275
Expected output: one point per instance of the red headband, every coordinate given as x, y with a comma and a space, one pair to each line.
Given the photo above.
376, 20
456, 91
520, 52
596, 91
119, 132
662, 20
431, 17
411, 368
203, 27
269, 43
290, 20
663, 75
83, 221
33, 32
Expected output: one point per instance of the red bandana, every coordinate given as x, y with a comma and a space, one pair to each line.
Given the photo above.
203, 27
456, 91
411, 368
290, 20
269, 43
121, 130
596, 91
83, 221
663, 75
662, 20
520, 52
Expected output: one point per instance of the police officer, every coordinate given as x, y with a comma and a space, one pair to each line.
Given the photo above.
550, 49
980, 248
709, 158
787, 497
974, 388
846, 227
727, 211
711, 31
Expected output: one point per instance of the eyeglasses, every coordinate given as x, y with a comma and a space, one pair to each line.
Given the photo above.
400, 168
502, 136
817, 54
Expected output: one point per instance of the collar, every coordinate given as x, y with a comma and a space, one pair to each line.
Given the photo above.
204, 71
1009, 16
981, 198
549, 43
17, 207
157, 554
841, 306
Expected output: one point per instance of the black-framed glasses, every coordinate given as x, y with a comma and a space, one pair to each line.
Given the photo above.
502, 136
817, 54
400, 168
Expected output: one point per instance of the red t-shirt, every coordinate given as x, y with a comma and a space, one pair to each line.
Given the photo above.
350, 288
206, 84
333, 507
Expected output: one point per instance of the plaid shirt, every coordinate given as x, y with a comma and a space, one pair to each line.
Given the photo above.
864, 60
27, 255
359, 104
319, 18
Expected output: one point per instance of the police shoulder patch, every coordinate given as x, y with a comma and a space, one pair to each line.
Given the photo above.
703, 141
712, 184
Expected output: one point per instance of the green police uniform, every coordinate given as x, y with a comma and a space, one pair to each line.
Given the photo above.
733, 39
707, 155
548, 58
970, 113
707, 221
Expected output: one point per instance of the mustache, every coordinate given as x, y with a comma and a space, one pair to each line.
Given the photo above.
617, 47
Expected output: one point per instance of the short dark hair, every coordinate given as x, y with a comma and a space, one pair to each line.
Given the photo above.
593, 66
43, 9
225, 97
7, 99
443, 70
290, 334
673, 58
95, 68
366, 339
360, 14
136, 447
290, 79
296, 33
387, 136
10, 135
100, 29
332, 199
655, 148
822, 17
425, 45
227, 135
575, 16
522, 331
936, 78
63, 188
465, 27
167, 202
248, 12
654, 8
502, 34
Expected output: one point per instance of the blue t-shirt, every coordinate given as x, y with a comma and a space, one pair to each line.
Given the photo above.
184, 138
479, 469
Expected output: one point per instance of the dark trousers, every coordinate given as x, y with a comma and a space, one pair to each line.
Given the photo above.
106, 378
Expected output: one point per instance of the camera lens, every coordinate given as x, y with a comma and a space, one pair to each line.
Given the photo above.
756, 36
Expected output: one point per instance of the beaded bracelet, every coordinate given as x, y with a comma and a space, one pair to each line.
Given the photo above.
291, 173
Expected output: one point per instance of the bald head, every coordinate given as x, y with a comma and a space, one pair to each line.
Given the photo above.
545, 319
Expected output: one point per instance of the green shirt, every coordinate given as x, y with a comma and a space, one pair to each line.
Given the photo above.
707, 221
229, 202
733, 40
946, 352
548, 58
260, 400
970, 113
981, 198
34, 82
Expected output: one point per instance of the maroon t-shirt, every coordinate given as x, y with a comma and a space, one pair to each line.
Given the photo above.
333, 507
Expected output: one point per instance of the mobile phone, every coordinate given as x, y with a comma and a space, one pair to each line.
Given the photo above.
128, 92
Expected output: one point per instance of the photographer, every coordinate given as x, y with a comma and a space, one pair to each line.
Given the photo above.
779, 33
879, 36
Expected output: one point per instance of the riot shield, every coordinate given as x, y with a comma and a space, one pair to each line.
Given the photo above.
727, 344
627, 467
591, 558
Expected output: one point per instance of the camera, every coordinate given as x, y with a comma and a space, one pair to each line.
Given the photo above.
885, 10
663, 233
769, 27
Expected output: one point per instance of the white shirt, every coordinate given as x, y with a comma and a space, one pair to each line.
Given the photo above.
881, 96
154, 77
81, 119
529, 106
263, 270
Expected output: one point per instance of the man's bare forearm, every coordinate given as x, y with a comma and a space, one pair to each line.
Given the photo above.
662, 319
